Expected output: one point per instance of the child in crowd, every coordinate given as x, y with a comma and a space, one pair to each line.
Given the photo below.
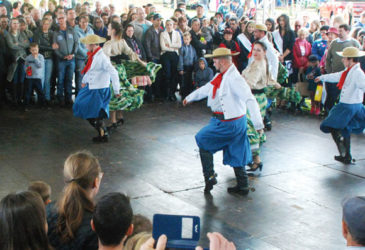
203, 74
141, 224
34, 69
43, 189
207, 32
187, 59
312, 72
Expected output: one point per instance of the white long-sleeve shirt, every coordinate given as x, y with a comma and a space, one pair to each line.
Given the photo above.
234, 95
354, 86
101, 72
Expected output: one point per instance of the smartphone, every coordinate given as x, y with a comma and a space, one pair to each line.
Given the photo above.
183, 232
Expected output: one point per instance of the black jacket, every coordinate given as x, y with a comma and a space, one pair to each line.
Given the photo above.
140, 46
288, 43
152, 44
44, 42
198, 46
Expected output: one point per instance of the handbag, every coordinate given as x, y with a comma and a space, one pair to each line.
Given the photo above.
318, 94
302, 86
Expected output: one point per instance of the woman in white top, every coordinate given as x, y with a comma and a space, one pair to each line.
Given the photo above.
170, 42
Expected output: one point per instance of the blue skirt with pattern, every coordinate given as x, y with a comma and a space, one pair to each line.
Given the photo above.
92, 103
349, 118
229, 136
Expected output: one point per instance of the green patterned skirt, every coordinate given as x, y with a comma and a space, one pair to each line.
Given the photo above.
130, 96
262, 101
256, 139
284, 93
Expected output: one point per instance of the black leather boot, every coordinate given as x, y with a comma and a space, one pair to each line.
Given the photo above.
102, 130
241, 187
347, 158
340, 143
208, 170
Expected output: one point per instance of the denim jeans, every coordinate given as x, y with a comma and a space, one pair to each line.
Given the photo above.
80, 64
18, 83
48, 67
34, 84
66, 69
169, 62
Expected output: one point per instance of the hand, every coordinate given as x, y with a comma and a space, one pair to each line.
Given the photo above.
161, 243
117, 95
218, 242
204, 42
181, 72
185, 102
317, 79
260, 131
281, 58
277, 86
167, 45
55, 46
83, 85
142, 62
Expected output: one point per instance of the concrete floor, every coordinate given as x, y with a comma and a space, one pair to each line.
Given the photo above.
154, 159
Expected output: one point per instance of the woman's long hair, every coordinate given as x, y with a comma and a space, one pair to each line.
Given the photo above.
272, 21
118, 30
80, 171
287, 23
248, 35
23, 222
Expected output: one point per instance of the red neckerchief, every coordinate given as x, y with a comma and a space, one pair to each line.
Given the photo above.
343, 77
90, 56
250, 54
216, 82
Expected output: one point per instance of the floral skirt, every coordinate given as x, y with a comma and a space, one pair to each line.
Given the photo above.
131, 97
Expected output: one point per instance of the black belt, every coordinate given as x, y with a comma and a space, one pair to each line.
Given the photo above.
218, 116
258, 91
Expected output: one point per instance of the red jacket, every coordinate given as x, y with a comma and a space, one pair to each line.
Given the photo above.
300, 61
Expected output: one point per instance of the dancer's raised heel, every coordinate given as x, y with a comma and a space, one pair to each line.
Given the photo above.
209, 183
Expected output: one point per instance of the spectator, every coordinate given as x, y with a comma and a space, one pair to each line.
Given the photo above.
224, 8
178, 13
199, 44
353, 211
270, 24
71, 18
4, 56
137, 240
170, 42
30, 22
312, 72
319, 46
360, 37
206, 32
314, 33
183, 26
69, 219
237, 8
301, 51
334, 62
112, 9
8, 7
36, 16
134, 43
52, 6
306, 24
23, 27
4, 23
231, 44
34, 65
43, 189
18, 43
245, 40
98, 10
99, 27
354, 32
16, 9
44, 38
141, 224
297, 26
23, 222
82, 30
141, 25
199, 14
65, 44
233, 24
42, 9
105, 17
152, 40
187, 60
203, 74
332, 34
112, 220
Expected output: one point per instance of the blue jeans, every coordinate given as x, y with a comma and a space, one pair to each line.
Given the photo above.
66, 69
34, 84
18, 83
80, 64
48, 66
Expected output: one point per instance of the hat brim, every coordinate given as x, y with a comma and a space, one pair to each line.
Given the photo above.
361, 54
87, 41
215, 56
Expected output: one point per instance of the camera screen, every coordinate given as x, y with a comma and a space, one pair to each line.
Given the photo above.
187, 228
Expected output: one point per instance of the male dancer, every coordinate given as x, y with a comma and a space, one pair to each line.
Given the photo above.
228, 96
348, 116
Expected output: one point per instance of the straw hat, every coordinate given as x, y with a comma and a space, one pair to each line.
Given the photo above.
92, 39
261, 27
220, 52
351, 52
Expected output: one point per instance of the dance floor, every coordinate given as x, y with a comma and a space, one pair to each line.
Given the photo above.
154, 159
